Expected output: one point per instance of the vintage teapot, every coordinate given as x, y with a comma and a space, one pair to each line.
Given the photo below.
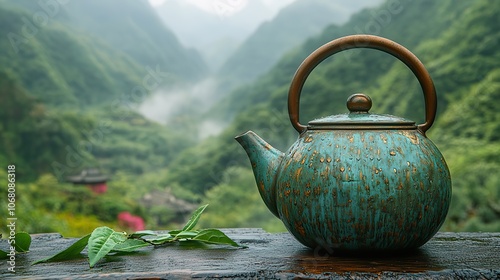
356, 181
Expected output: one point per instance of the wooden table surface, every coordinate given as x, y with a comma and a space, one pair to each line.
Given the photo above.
269, 256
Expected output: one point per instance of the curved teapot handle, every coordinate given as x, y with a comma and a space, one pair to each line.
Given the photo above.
362, 41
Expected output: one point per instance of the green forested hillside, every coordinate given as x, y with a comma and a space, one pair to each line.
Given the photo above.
148, 41
131, 27
78, 90
77, 76
469, 136
29, 134
459, 44
67, 102
289, 28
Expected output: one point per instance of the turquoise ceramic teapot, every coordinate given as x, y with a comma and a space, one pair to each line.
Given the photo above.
356, 181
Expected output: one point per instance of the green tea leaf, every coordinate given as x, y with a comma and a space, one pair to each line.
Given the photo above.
3, 255
194, 218
23, 242
102, 241
160, 239
130, 245
139, 234
174, 232
185, 235
215, 236
71, 252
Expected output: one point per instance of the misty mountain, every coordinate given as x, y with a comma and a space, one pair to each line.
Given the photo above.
218, 33
215, 34
60, 67
131, 27
293, 24
68, 99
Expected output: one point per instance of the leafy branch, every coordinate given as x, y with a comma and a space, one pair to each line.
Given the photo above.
104, 241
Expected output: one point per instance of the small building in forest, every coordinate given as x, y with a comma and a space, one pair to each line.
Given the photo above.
92, 178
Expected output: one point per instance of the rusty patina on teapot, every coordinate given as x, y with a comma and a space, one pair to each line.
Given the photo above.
356, 181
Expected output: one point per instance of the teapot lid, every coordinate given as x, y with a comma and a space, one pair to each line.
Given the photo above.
360, 119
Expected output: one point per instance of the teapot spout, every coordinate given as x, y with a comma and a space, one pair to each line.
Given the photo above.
265, 161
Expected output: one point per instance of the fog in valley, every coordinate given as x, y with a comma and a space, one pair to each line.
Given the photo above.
227, 34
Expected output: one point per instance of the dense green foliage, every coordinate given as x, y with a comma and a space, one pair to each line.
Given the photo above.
131, 27
472, 147
67, 102
30, 135
79, 76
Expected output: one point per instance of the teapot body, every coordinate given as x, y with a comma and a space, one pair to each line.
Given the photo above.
356, 181
363, 189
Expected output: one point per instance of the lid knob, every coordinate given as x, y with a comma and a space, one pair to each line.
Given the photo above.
359, 103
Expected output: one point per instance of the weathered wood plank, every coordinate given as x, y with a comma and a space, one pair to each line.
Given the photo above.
271, 256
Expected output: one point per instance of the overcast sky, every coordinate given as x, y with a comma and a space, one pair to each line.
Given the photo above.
229, 6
